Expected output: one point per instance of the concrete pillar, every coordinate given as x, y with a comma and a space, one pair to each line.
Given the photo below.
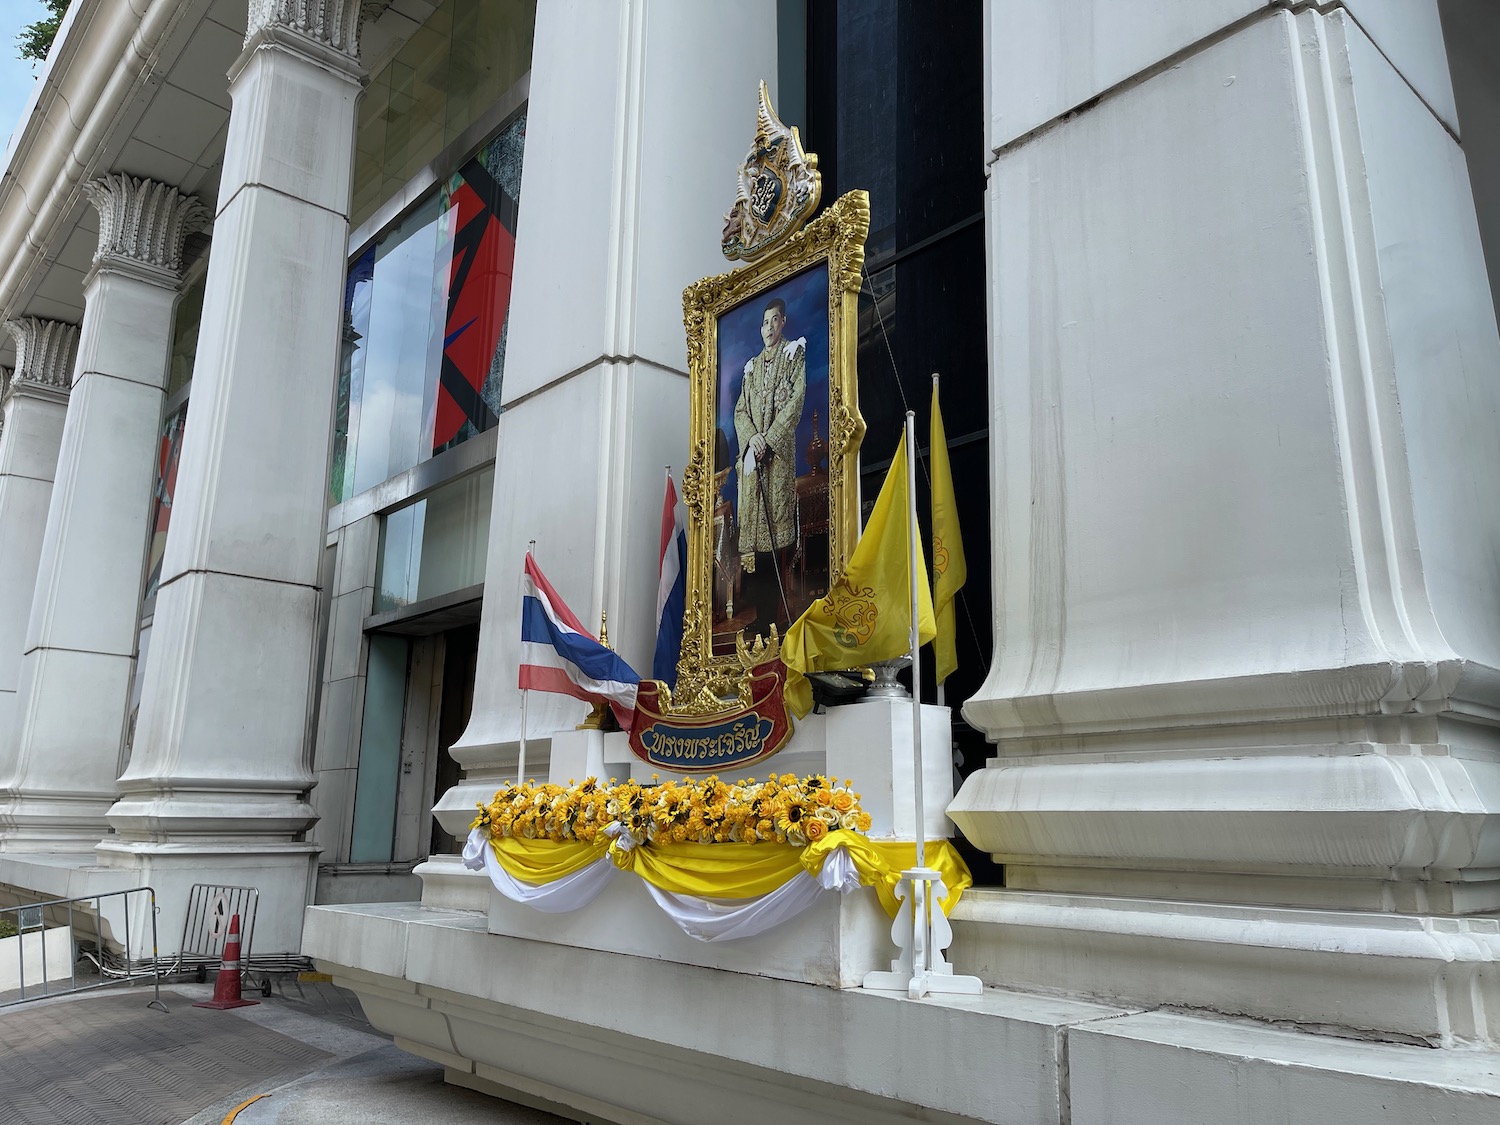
596, 348
80, 644
35, 400
216, 788
1247, 658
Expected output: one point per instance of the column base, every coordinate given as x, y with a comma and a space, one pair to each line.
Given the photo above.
38, 822
283, 873
175, 814
1406, 978
448, 885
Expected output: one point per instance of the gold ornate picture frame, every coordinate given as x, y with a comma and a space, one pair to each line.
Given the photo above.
772, 481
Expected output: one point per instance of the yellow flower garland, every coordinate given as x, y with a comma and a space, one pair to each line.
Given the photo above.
781, 810
670, 835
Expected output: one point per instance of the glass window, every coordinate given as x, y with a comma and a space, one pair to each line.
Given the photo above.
168, 456
425, 311
373, 837
452, 69
435, 546
185, 324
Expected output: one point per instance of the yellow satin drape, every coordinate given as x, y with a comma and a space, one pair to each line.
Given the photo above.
543, 861
737, 871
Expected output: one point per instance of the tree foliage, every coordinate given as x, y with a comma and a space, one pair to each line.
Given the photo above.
35, 39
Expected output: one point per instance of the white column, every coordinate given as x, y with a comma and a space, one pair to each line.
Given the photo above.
74, 687
595, 385
34, 401
216, 788
1245, 413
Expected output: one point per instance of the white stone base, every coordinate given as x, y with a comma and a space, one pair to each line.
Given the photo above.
834, 942
32, 959
638, 1040
283, 874
1406, 978
1163, 1068
632, 1039
48, 875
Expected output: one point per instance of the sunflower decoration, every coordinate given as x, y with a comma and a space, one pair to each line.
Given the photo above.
781, 809
790, 822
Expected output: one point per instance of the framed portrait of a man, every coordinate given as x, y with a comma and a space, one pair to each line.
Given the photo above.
772, 483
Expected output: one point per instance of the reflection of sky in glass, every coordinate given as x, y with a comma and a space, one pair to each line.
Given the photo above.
397, 298
402, 341
806, 297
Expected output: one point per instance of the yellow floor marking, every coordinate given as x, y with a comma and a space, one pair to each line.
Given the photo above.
235, 1112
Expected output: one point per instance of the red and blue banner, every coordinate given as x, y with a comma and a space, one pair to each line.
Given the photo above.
483, 252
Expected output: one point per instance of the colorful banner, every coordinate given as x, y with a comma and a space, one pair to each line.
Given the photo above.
727, 739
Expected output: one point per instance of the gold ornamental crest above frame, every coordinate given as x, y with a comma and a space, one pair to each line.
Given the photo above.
779, 189
783, 290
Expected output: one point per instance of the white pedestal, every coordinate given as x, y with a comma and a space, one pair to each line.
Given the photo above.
836, 941
869, 744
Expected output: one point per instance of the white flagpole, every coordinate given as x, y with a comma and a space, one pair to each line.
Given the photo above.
521, 755
914, 560
940, 692
920, 970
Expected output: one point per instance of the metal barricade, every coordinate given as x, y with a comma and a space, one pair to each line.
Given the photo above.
205, 926
39, 924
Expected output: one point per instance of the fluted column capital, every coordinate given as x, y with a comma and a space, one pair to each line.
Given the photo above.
329, 28
46, 351
143, 225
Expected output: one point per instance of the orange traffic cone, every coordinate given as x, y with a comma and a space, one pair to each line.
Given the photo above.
227, 984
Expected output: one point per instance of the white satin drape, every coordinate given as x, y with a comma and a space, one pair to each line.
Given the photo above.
706, 919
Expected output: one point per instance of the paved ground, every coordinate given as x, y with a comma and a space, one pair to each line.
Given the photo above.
104, 1058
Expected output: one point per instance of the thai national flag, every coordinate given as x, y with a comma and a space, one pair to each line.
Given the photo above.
671, 589
558, 654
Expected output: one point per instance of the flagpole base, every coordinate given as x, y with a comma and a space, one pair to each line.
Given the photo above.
921, 933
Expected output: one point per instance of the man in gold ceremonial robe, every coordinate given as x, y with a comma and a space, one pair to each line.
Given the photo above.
765, 423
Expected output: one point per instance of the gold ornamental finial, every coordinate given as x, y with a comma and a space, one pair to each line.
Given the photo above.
778, 190
599, 717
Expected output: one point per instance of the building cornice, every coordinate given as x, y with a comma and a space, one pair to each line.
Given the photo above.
106, 53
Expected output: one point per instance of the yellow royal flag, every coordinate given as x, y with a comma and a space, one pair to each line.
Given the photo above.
949, 570
866, 616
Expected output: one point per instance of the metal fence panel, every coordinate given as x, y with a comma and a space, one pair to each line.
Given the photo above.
116, 960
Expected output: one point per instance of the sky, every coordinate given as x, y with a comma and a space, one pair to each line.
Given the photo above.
16, 75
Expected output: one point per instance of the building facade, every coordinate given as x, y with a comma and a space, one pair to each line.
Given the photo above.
320, 311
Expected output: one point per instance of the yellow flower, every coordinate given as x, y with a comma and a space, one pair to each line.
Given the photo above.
823, 797
862, 822
814, 829
789, 819
842, 801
